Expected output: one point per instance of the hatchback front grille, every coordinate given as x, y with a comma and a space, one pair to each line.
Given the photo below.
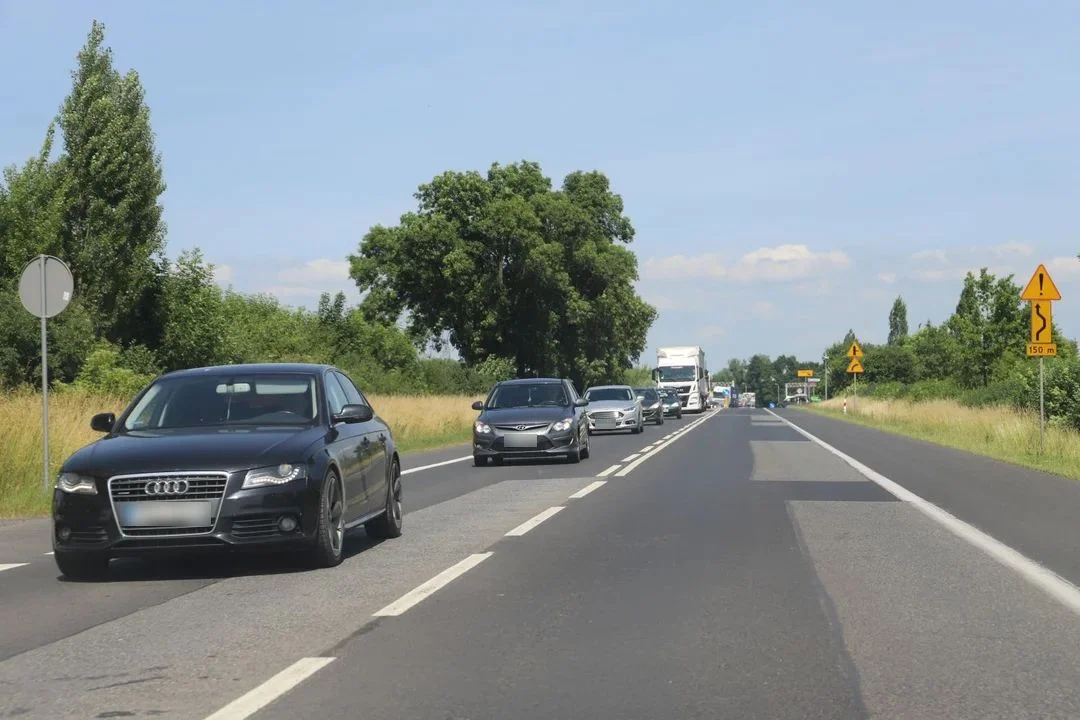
522, 426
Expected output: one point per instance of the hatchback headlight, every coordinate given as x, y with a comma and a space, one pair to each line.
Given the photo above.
630, 409
563, 425
482, 427
277, 475
76, 484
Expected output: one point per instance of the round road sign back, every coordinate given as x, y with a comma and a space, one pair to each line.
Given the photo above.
46, 295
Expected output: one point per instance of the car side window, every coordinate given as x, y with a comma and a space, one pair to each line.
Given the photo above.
354, 396
334, 394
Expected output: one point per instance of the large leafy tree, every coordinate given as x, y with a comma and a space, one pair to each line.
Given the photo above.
898, 325
112, 233
508, 267
989, 324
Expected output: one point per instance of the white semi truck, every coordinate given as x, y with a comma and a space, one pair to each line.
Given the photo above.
683, 368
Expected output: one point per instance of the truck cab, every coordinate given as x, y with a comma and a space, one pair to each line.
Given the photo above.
683, 369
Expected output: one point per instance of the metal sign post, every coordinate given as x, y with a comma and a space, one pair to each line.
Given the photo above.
45, 289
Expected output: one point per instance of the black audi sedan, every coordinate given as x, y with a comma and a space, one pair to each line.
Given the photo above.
531, 418
238, 457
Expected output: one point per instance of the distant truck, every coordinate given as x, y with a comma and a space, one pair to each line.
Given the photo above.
683, 368
721, 395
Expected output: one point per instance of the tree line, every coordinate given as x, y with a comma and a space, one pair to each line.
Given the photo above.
519, 277
977, 356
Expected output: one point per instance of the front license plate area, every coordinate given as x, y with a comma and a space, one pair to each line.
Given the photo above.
165, 513
520, 440
605, 424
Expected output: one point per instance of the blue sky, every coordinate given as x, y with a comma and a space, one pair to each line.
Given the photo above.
789, 169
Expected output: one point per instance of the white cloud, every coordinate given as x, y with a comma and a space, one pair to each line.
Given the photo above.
317, 271
888, 278
1007, 249
938, 255
776, 264
223, 274
1064, 265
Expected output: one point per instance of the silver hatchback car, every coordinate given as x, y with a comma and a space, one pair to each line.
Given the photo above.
614, 408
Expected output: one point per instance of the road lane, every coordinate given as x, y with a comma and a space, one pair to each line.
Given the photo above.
1033, 512
37, 607
193, 654
750, 574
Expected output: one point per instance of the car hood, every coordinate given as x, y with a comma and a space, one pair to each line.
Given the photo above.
508, 416
609, 404
224, 449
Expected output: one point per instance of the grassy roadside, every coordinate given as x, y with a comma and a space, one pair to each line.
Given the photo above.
419, 423
997, 432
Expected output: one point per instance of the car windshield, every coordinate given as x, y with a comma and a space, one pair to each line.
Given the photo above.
669, 394
216, 400
519, 395
648, 396
676, 373
601, 394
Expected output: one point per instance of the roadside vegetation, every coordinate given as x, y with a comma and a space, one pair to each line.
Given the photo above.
515, 276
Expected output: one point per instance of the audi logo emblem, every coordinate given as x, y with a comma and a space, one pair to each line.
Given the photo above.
521, 427
166, 487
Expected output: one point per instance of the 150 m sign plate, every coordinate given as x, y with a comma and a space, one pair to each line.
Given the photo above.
1042, 349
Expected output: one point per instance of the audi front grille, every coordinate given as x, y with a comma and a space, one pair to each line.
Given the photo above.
168, 487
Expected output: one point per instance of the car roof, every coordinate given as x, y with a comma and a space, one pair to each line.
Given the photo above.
252, 369
646, 387
606, 387
531, 381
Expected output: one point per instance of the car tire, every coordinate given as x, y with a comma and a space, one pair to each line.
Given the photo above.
479, 461
586, 451
82, 567
329, 548
391, 523
574, 457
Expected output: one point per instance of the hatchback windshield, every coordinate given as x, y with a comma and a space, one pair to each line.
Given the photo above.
208, 400
648, 396
601, 394
669, 394
520, 395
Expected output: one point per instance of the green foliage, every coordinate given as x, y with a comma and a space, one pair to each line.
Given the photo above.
508, 267
636, 377
194, 328
109, 371
898, 326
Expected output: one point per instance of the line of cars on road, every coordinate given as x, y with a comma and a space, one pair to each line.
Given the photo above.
287, 457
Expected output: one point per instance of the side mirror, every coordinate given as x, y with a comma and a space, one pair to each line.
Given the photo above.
581, 402
103, 422
354, 414
478, 405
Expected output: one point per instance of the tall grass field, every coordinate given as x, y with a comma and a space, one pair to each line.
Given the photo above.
418, 423
1001, 433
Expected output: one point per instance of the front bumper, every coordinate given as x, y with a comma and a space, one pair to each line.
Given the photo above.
246, 520
673, 409
547, 445
627, 421
648, 414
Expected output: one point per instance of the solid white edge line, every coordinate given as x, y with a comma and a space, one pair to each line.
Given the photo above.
608, 471
534, 521
251, 702
420, 592
630, 468
1038, 575
435, 465
628, 458
49, 553
596, 484
10, 566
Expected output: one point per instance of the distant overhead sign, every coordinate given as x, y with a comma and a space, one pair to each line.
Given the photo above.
1040, 286
855, 366
855, 351
806, 373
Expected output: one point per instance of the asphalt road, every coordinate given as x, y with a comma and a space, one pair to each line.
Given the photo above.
736, 569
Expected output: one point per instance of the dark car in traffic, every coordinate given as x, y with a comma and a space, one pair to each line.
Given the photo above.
669, 397
238, 457
531, 418
652, 407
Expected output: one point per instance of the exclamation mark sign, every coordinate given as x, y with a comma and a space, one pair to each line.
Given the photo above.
1040, 283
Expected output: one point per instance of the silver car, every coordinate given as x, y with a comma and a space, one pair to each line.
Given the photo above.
614, 407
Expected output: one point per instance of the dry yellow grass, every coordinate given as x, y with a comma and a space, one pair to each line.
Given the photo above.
998, 432
418, 423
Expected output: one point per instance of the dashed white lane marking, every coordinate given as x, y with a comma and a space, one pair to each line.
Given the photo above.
1041, 577
444, 578
435, 465
49, 553
630, 468
248, 704
10, 566
534, 521
588, 489
605, 473
628, 458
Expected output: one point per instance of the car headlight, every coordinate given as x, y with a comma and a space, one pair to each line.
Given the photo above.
76, 484
563, 425
630, 409
482, 428
277, 475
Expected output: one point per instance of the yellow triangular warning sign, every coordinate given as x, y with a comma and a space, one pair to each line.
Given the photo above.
854, 351
1040, 286
854, 366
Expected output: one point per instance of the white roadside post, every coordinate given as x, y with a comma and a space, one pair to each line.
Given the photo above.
45, 289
